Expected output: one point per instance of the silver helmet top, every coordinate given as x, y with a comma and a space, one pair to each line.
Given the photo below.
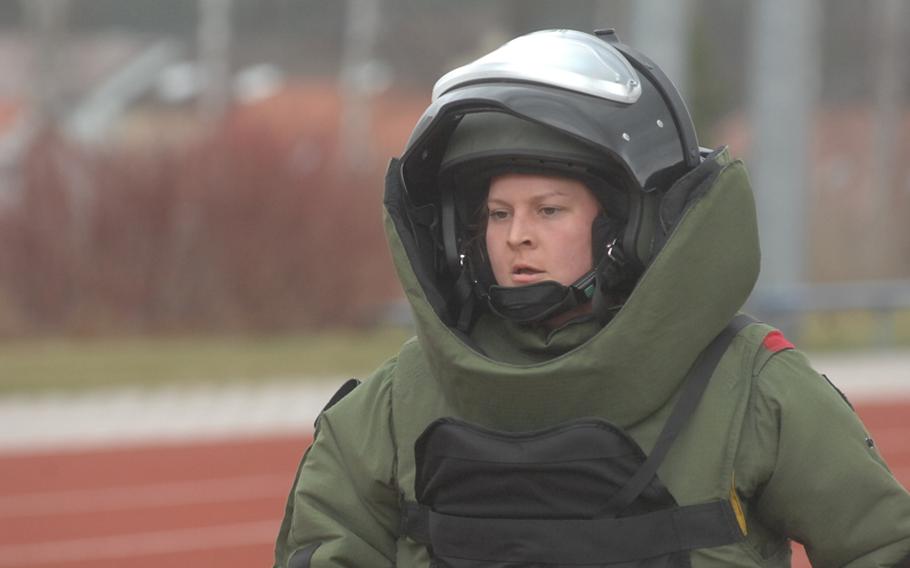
566, 59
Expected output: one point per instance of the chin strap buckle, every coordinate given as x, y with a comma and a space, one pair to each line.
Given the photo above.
613, 252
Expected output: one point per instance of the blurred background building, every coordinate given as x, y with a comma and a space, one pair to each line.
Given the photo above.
217, 165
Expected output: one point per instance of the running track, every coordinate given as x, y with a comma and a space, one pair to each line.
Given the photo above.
216, 503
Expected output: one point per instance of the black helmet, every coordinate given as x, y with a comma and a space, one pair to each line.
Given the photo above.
560, 102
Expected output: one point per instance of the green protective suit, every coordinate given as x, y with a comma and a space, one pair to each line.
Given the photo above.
770, 434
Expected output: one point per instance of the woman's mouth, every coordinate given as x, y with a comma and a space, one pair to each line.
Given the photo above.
524, 274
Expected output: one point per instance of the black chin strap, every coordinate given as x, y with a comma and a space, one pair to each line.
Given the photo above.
540, 301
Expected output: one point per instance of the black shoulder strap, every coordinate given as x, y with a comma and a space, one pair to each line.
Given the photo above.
693, 388
343, 391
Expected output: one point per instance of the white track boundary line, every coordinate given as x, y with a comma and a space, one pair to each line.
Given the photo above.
40, 422
225, 490
36, 422
139, 544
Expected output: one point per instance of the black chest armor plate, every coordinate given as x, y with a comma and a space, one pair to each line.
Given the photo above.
582, 493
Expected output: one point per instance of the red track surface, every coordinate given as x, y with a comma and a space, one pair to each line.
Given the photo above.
204, 504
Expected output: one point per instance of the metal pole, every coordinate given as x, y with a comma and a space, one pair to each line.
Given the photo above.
660, 29
783, 82
362, 23
881, 252
46, 23
214, 56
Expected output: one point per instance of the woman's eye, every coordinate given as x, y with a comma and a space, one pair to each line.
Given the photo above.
498, 215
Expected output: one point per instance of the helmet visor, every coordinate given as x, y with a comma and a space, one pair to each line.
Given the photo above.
566, 59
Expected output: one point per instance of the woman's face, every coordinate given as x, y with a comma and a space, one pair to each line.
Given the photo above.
539, 228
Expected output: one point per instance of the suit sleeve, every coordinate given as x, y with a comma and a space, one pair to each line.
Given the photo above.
343, 508
825, 484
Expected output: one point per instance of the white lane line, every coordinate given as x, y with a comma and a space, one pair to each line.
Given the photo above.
139, 544
223, 490
872, 376
125, 416
62, 421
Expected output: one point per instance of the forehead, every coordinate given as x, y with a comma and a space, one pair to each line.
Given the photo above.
520, 186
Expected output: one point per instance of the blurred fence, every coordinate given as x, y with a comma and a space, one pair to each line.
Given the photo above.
269, 217
247, 228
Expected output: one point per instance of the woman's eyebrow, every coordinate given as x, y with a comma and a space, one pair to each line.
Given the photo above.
534, 197
551, 193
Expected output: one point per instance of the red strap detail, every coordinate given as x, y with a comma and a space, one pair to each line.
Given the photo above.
775, 341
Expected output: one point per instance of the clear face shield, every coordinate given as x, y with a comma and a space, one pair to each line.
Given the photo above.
565, 59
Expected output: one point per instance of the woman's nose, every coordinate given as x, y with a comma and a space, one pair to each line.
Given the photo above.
520, 231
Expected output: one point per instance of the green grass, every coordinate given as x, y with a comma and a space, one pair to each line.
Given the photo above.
73, 364
855, 329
